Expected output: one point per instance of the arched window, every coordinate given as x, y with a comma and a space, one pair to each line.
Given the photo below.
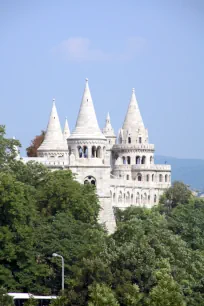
155, 198
152, 177
139, 177
151, 159
98, 152
166, 178
147, 177
140, 139
160, 178
85, 151
90, 180
129, 139
137, 160
127, 176
80, 151
128, 160
124, 160
143, 160
93, 151
114, 197
131, 198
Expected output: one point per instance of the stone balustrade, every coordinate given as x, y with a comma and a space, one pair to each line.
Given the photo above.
120, 147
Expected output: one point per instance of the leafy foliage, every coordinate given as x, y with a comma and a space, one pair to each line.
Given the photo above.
155, 257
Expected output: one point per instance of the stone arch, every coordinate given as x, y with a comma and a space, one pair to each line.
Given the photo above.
93, 151
120, 197
147, 177
98, 152
111, 195
139, 177
137, 160
140, 139
128, 198
129, 139
151, 159
90, 180
160, 178
143, 161
166, 178
137, 198
80, 151
104, 151
145, 198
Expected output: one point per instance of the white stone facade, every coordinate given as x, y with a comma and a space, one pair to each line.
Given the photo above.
123, 171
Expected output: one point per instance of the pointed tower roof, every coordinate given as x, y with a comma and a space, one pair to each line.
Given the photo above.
87, 124
108, 129
133, 120
66, 132
53, 137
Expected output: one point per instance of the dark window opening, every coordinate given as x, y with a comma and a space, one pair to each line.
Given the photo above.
129, 160
129, 139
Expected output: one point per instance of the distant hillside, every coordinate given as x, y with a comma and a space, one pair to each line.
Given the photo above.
190, 171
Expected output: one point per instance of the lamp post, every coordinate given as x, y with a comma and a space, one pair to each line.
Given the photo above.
57, 255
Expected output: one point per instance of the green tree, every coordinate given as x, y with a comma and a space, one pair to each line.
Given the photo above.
18, 219
101, 295
5, 299
60, 192
167, 291
7, 149
178, 193
188, 222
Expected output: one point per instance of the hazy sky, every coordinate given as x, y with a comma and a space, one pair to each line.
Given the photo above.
48, 48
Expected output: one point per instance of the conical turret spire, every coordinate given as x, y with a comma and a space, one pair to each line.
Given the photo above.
133, 120
66, 132
87, 125
108, 129
53, 137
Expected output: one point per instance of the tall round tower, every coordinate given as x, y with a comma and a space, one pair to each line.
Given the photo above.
88, 158
133, 147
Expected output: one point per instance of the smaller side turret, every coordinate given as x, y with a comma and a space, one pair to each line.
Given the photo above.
53, 144
66, 132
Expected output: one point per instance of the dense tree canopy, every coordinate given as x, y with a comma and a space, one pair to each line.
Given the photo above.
155, 257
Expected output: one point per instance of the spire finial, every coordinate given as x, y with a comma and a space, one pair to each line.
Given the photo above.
87, 80
53, 100
133, 90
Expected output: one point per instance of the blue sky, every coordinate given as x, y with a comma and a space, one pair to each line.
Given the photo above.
48, 48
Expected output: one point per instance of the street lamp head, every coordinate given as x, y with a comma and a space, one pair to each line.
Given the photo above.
55, 255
